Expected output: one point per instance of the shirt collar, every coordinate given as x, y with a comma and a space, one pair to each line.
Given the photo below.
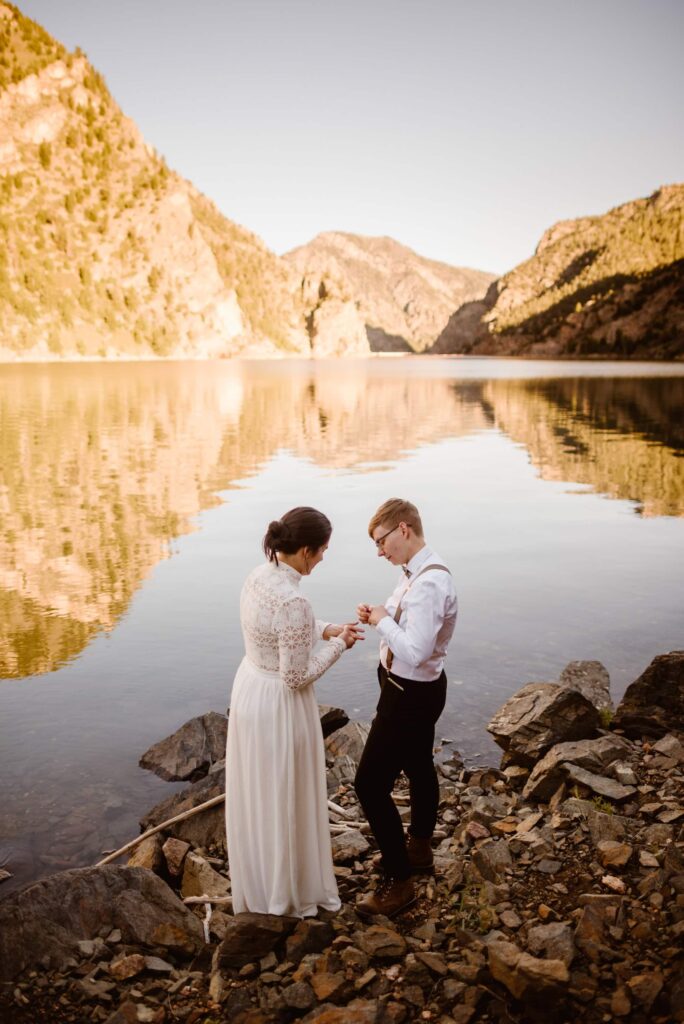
419, 559
288, 571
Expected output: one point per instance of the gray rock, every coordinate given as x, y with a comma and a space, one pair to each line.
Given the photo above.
521, 973
539, 716
589, 678
600, 784
489, 807
554, 941
493, 859
623, 773
248, 937
147, 854
654, 703
381, 941
358, 1011
47, 920
604, 827
200, 878
349, 846
350, 741
208, 828
299, 996
592, 755
175, 851
332, 719
310, 936
190, 751
340, 769
670, 746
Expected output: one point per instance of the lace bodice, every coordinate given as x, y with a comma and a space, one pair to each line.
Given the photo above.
279, 628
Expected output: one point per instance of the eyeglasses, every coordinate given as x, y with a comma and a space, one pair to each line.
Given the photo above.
380, 542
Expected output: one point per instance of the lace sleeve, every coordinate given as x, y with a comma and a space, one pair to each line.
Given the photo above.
295, 627
321, 627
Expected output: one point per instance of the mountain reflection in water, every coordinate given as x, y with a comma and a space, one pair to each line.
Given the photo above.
103, 466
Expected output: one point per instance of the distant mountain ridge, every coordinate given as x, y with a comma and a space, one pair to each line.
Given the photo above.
607, 286
401, 301
107, 253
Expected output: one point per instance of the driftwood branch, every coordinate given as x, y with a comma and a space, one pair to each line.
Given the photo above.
219, 900
341, 811
159, 828
334, 808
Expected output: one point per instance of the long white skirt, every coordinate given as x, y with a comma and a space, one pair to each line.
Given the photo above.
279, 852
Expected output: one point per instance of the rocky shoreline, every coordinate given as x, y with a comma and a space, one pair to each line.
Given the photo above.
558, 889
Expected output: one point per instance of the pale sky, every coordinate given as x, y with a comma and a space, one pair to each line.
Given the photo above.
461, 128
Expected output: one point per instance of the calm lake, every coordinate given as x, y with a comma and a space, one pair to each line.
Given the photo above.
133, 499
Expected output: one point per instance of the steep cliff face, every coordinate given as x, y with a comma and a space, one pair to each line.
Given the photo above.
380, 290
103, 250
609, 286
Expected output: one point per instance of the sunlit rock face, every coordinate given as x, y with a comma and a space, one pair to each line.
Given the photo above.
395, 299
607, 286
106, 251
103, 467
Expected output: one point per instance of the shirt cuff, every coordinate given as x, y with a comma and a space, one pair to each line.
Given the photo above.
321, 628
387, 627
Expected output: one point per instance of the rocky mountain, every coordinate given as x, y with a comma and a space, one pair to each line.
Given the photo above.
105, 251
610, 286
376, 292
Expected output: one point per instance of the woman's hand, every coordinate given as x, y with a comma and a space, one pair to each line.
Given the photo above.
350, 633
363, 611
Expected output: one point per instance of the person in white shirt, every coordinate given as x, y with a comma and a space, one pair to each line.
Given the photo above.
415, 627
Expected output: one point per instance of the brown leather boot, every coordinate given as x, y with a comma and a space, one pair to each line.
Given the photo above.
420, 854
390, 898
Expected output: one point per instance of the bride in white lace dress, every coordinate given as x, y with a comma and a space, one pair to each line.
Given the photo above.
278, 835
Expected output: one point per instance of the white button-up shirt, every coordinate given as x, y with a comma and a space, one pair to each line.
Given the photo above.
429, 607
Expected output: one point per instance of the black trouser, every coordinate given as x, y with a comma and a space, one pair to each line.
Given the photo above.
401, 739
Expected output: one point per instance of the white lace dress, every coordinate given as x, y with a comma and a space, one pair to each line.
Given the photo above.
279, 850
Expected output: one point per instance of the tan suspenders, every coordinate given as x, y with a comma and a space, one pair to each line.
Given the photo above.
397, 614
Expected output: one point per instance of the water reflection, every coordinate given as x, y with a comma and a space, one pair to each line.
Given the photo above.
102, 466
622, 437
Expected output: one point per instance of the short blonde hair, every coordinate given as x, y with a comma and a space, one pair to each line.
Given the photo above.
393, 512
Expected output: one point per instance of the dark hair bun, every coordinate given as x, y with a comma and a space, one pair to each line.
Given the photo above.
300, 527
278, 531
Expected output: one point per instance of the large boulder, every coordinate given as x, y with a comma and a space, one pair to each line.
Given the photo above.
654, 703
190, 751
42, 925
207, 828
591, 679
249, 937
593, 756
348, 741
539, 716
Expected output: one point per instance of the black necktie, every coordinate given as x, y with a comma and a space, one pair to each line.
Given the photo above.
407, 572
